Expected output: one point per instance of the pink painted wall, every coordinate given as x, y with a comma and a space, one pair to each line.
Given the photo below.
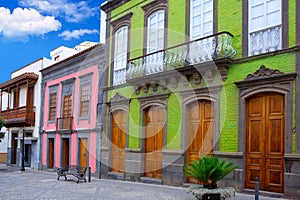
57, 150
93, 152
44, 149
77, 124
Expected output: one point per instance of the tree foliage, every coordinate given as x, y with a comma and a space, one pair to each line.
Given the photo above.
2, 134
208, 170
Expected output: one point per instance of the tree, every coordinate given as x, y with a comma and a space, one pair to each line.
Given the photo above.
2, 134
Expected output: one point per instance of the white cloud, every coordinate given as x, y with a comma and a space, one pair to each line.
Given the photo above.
22, 23
76, 34
70, 11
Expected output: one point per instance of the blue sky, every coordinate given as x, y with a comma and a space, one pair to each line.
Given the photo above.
30, 29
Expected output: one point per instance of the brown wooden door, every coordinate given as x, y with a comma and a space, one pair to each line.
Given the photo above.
67, 112
200, 131
65, 152
14, 145
118, 141
265, 142
51, 153
83, 152
154, 131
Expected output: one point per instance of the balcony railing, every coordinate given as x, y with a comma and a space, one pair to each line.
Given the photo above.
64, 123
19, 117
266, 40
214, 47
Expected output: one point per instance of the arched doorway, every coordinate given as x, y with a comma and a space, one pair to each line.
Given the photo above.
118, 141
200, 131
265, 125
154, 120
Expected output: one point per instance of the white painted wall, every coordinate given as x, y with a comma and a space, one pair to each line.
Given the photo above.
3, 144
34, 67
103, 25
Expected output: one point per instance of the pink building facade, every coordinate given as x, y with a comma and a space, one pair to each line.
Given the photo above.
71, 99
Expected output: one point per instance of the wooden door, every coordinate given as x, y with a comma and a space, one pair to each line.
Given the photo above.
67, 112
200, 131
65, 152
51, 153
265, 142
118, 141
154, 131
83, 152
14, 145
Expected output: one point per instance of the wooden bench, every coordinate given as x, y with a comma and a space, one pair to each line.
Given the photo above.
77, 171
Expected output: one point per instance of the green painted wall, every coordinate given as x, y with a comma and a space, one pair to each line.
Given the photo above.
229, 19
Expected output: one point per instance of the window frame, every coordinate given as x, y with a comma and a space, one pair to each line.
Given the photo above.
52, 107
188, 19
245, 27
149, 9
116, 25
85, 92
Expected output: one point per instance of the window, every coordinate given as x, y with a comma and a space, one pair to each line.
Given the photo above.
201, 18
84, 100
155, 31
120, 56
56, 58
52, 106
264, 26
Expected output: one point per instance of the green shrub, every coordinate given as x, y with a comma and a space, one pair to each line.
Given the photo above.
209, 170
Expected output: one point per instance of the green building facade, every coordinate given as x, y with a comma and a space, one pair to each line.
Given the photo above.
188, 78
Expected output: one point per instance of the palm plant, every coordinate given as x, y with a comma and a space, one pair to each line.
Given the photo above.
209, 170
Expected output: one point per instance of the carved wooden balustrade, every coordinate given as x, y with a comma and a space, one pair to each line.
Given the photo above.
210, 48
17, 117
64, 123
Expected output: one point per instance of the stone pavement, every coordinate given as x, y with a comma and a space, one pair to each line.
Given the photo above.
33, 184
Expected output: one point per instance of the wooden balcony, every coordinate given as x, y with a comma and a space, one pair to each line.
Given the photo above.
214, 48
19, 117
64, 123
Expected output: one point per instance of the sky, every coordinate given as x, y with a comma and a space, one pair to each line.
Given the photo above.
30, 29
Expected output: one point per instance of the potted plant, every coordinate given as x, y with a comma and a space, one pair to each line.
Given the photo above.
208, 171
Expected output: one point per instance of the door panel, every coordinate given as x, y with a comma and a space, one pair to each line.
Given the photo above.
65, 152
154, 130
83, 152
14, 145
200, 131
265, 141
51, 153
118, 141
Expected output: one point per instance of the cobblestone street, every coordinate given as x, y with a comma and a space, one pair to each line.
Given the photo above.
33, 184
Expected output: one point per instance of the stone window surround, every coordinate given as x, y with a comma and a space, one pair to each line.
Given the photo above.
160, 100
67, 88
210, 93
118, 102
149, 9
187, 18
116, 24
245, 29
282, 84
85, 79
52, 89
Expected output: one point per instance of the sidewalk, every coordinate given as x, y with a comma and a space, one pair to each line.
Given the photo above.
33, 184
